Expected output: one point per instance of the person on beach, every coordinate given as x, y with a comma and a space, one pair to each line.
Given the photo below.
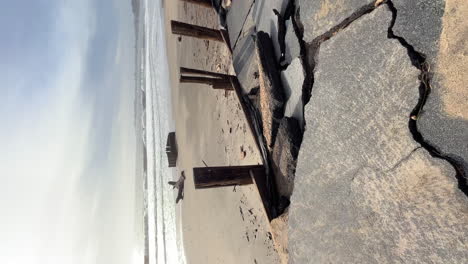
179, 184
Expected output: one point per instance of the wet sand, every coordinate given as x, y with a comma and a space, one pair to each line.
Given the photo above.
222, 225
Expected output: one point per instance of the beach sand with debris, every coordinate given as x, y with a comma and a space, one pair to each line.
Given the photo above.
220, 225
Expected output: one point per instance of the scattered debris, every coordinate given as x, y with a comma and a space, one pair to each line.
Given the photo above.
241, 212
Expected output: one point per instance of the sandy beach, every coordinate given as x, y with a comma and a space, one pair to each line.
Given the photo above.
221, 225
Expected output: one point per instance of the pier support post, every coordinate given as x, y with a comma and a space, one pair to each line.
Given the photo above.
211, 177
216, 83
184, 70
195, 31
205, 3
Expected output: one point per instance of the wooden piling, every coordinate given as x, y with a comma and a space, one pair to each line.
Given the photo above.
222, 86
216, 83
195, 31
211, 177
184, 70
205, 3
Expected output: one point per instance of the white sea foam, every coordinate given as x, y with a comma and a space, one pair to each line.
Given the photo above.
162, 235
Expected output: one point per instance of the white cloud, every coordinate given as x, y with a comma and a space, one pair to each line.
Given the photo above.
42, 160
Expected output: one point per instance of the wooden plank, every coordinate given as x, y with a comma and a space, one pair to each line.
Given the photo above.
195, 31
199, 79
184, 70
216, 83
205, 3
223, 86
212, 177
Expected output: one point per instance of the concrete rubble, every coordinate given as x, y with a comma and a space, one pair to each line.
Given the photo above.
284, 155
365, 191
376, 118
271, 93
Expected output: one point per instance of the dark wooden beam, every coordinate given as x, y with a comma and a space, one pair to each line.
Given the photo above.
216, 83
184, 70
198, 79
211, 177
223, 86
205, 3
195, 31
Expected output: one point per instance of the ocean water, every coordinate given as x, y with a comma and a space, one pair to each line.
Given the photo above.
161, 237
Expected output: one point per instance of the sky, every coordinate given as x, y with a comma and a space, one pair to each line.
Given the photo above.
67, 159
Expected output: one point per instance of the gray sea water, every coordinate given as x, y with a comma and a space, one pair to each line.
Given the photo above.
159, 232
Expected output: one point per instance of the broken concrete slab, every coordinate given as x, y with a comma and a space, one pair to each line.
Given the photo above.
236, 18
419, 22
365, 191
284, 155
245, 62
442, 129
265, 20
293, 47
293, 78
271, 93
319, 17
437, 29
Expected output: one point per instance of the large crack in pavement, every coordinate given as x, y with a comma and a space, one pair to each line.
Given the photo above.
311, 49
419, 61
363, 115
309, 52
